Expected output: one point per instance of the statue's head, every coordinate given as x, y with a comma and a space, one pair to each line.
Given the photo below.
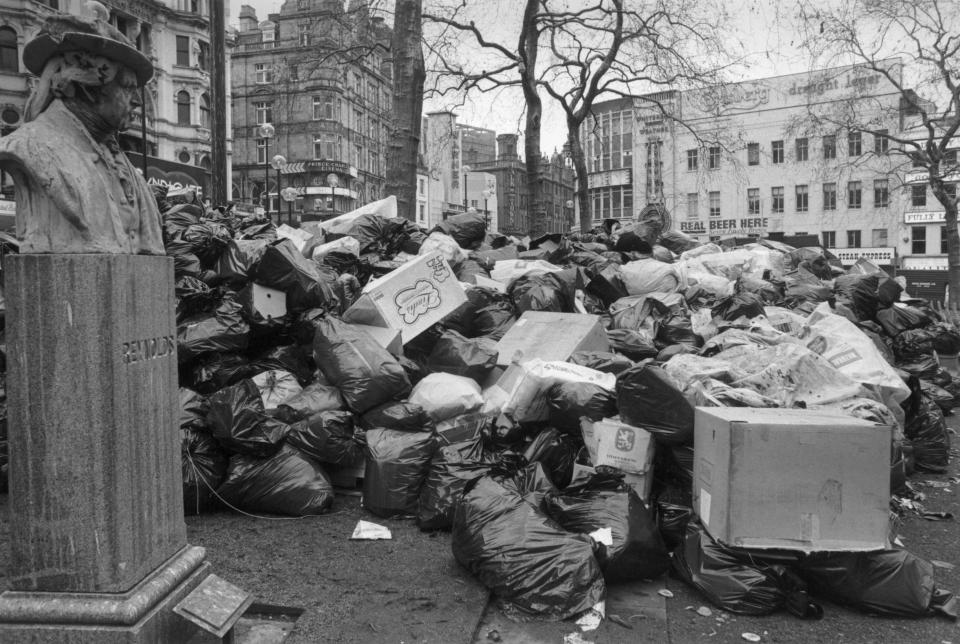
85, 61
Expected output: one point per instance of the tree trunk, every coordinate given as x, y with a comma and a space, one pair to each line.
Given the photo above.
408, 78
949, 204
528, 50
580, 167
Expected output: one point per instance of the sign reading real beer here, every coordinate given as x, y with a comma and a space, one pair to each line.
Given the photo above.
744, 226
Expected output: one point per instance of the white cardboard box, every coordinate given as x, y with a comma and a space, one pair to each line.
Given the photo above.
411, 298
551, 336
792, 478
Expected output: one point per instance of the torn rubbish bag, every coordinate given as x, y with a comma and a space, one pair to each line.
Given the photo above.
522, 555
648, 397
239, 422
637, 550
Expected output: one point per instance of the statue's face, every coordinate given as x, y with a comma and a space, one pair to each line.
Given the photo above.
118, 99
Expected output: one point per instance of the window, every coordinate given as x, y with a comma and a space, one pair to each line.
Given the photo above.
879, 237
829, 238
264, 112
777, 147
853, 239
303, 5
713, 158
949, 159
854, 194
829, 196
325, 146
881, 194
918, 240
261, 150
944, 243
918, 195
692, 160
262, 73
303, 33
854, 144
203, 55
714, 203
183, 108
693, 205
422, 218
183, 51
753, 201
802, 149
421, 186
324, 108
830, 146
205, 110
776, 194
880, 142
753, 154
803, 196
9, 57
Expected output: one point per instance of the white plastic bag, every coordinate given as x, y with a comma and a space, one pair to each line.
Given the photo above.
521, 391
507, 270
444, 395
347, 245
276, 387
649, 276
447, 246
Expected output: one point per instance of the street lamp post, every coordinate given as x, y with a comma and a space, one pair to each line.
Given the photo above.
486, 213
466, 170
289, 195
277, 162
569, 206
266, 132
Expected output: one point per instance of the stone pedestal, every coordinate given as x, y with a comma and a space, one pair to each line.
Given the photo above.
96, 507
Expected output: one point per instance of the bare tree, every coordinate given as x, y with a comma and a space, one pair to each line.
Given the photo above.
606, 50
510, 65
408, 78
923, 34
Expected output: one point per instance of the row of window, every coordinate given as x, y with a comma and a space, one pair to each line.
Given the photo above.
611, 202
918, 240
801, 150
608, 141
879, 238
801, 203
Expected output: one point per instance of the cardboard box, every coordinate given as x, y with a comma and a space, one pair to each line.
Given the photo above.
411, 298
792, 478
629, 449
389, 339
262, 303
551, 336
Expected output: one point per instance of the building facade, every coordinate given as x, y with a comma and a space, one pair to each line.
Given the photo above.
452, 153
760, 158
510, 174
320, 74
175, 35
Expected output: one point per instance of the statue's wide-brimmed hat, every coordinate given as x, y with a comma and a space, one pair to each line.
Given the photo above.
90, 33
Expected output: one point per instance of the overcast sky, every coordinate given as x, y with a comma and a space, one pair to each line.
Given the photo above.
769, 42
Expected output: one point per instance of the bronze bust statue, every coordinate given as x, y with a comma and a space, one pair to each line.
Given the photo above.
76, 191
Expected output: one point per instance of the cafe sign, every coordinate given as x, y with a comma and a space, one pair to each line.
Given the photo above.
934, 217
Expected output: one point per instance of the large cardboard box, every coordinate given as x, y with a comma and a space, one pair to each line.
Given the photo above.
411, 298
551, 336
387, 338
792, 478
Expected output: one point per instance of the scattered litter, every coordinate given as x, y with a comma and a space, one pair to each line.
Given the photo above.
603, 535
937, 516
574, 638
751, 637
494, 636
370, 531
704, 611
616, 619
942, 564
663, 592
591, 619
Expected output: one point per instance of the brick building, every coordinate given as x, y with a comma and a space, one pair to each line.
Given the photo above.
320, 74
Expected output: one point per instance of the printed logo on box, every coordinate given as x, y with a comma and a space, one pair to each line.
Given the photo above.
626, 438
414, 302
440, 270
